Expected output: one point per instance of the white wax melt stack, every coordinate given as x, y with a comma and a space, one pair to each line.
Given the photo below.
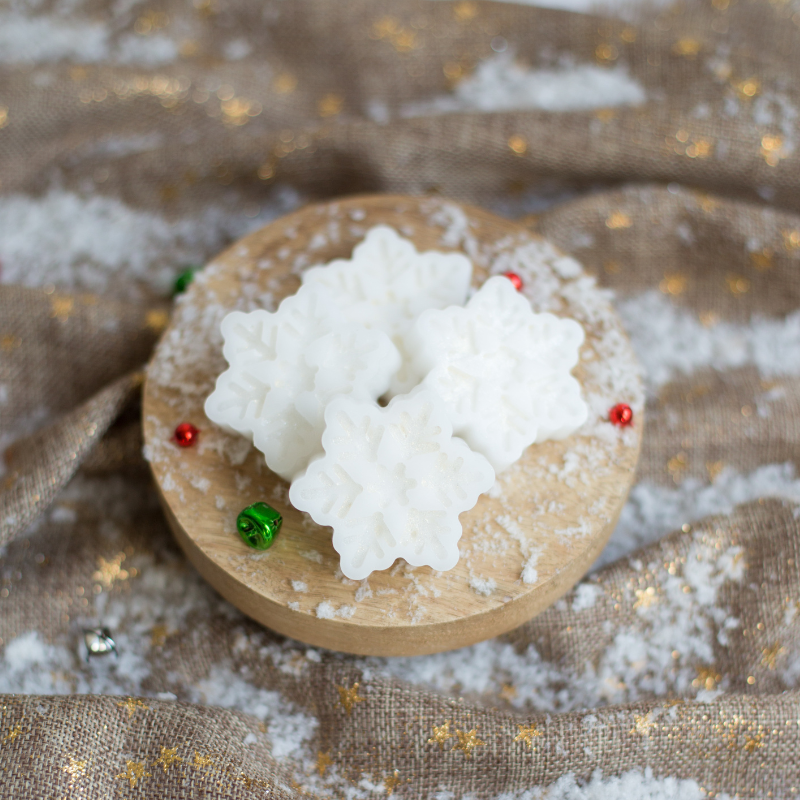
304, 384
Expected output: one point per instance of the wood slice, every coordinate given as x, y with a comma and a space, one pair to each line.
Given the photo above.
526, 542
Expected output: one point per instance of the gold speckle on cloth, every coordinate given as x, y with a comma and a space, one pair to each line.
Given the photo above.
770, 654
519, 144
201, 762
168, 757
527, 733
762, 259
349, 697
156, 319
618, 219
737, 285
134, 771
687, 47
61, 308
468, 741
707, 678
324, 760
75, 767
3, 116
791, 240
642, 724
108, 572
645, 597
285, 83
674, 283
390, 782
441, 733
771, 149
132, 704
9, 342
13, 733
330, 105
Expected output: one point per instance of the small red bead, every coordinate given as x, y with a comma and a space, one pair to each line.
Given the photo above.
186, 434
621, 415
515, 279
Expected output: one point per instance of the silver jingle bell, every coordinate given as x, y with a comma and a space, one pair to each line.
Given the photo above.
99, 642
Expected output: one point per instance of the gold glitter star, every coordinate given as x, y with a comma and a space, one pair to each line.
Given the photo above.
61, 308
645, 597
527, 733
158, 635
441, 734
753, 743
9, 342
168, 757
324, 760
109, 571
508, 692
134, 771
132, 704
707, 678
13, 733
156, 319
618, 219
770, 654
390, 782
349, 697
201, 762
468, 741
75, 768
642, 724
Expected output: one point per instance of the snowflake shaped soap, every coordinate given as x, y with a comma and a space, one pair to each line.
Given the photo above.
502, 372
392, 483
286, 367
386, 285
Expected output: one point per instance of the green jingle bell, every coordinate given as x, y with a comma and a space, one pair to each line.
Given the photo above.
258, 525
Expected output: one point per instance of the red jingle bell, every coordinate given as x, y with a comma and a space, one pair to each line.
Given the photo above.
515, 279
621, 415
186, 434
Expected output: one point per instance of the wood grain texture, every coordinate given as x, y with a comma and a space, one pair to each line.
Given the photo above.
546, 520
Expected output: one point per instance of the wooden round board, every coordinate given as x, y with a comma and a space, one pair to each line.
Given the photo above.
524, 544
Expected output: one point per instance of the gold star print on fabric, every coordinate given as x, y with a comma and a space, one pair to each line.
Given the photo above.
12, 734
468, 741
527, 733
61, 308
75, 768
349, 697
390, 782
201, 762
132, 704
769, 655
168, 757
753, 743
441, 734
109, 571
642, 724
324, 760
134, 771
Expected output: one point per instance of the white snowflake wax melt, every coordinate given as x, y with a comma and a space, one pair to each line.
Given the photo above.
392, 483
285, 368
387, 284
502, 371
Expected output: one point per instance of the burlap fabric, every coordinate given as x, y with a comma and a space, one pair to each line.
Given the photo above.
314, 69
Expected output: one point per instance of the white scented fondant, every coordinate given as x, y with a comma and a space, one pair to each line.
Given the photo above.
387, 284
392, 483
502, 371
287, 366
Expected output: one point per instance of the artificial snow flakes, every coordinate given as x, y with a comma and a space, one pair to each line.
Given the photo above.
285, 368
502, 371
387, 284
392, 483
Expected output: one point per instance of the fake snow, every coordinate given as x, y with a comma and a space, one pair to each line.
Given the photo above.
47, 39
653, 511
632, 784
99, 244
502, 84
671, 341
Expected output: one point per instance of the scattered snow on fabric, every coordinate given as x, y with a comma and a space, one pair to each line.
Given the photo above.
99, 244
653, 511
44, 39
671, 341
629, 785
502, 84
